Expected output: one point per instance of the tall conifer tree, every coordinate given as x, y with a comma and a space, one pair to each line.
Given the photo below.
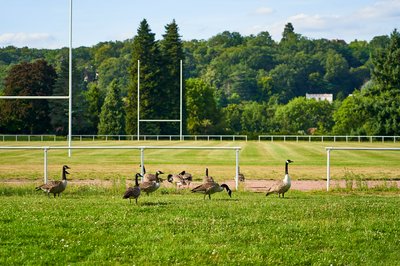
112, 113
172, 53
146, 50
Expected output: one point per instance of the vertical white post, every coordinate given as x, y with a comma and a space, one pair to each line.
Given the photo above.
70, 81
45, 165
138, 100
142, 162
181, 103
237, 170
328, 169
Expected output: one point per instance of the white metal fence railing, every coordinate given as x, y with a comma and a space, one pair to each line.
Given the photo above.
328, 138
29, 137
141, 148
328, 158
124, 137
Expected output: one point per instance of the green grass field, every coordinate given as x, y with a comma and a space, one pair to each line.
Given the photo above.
92, 224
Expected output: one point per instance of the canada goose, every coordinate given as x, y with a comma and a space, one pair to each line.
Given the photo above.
207, 178
133, 192
241, 176
150, 186
178, 179
281, 187
210, 188
188, 178
150, 177
56, 187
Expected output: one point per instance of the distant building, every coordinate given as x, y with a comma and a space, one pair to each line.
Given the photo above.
320, 97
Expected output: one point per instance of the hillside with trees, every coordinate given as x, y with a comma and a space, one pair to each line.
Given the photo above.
233, 84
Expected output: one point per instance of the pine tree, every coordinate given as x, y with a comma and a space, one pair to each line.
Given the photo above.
95, 102
172, 54
146, 50
112, 113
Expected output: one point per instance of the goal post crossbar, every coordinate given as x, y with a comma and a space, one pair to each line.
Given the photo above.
328, 157
35, 97
159, 120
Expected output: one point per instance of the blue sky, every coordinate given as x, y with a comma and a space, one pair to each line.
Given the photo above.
44, 23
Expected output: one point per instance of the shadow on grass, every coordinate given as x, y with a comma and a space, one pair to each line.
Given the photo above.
227, 199
154, 203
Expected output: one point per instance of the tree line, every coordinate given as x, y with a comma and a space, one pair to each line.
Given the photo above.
233, 84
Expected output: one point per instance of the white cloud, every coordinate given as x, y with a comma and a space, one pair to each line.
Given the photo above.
304, 21
263, 11
385, 9
32, 40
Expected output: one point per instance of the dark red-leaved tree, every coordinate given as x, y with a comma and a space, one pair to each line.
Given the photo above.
27, 116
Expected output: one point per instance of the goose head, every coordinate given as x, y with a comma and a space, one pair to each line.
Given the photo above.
65, 167
289, 161
227, 189
182, 173
169, 178
138, 175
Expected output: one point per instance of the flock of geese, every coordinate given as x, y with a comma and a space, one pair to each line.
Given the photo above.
151, 182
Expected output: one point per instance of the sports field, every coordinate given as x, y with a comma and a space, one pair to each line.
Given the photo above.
92, 224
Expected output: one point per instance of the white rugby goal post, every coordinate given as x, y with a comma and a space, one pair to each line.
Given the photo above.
160, 120
69, 97
328, 157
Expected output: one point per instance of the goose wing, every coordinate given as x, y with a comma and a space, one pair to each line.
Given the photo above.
132, 192
208, 179
204, 188
276, 187
146, 185
49, 186
149, 177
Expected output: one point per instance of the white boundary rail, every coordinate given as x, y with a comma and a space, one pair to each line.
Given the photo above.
141, 148
21, 137
328, 157
322, 138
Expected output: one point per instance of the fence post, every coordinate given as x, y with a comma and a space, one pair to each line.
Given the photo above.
237, 170
328, 170
142, 162
45, 165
